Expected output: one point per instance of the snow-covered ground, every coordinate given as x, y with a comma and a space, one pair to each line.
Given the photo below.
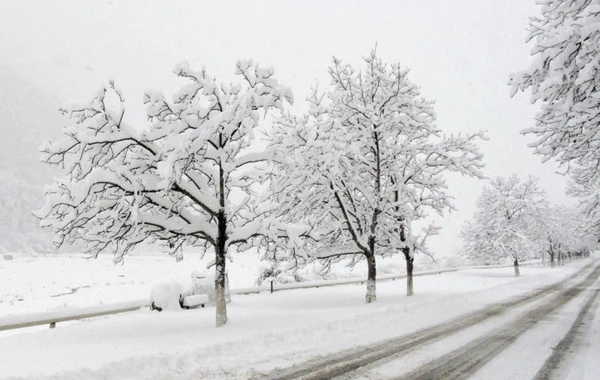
265, 331
37, 283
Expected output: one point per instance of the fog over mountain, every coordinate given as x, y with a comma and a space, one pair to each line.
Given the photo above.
28, 116
459, 53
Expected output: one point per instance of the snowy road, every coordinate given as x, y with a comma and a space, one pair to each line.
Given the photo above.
485, 335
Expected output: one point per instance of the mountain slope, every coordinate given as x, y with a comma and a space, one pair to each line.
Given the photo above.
27, 118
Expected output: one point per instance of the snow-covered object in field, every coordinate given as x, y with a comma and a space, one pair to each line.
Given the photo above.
509, 222
564, 76
188, 179
204, 283
363, 164
166, 296
195, 300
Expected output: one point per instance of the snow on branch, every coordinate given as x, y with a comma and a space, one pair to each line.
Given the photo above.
365, 160
564, 77
171, 181
509, 221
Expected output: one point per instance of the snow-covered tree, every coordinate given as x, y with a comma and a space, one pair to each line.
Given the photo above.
564, 77
560, 235
510, 221
186, 179
364, 163
570, 233
589, 207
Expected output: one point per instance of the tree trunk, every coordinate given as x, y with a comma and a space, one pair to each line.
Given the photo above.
516, 266
552, 262
371, 278
408, 257
220, 301
409, 272
220, 251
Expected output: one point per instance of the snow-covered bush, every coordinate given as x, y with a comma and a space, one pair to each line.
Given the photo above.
281, 274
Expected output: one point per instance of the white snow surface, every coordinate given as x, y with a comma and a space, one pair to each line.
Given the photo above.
40, 283
265, 331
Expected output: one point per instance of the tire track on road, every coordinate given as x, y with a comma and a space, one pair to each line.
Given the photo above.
561, 350
463, 362
350, 360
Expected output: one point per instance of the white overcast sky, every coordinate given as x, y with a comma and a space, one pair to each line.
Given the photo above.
460, 53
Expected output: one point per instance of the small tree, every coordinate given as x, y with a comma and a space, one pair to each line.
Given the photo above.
186, 180
508, 221
414, 243
364, 163
564, 77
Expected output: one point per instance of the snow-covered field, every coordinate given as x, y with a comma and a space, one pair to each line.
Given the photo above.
37, 283
265, 331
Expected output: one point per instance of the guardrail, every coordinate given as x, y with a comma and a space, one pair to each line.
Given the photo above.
51, 318
351, 281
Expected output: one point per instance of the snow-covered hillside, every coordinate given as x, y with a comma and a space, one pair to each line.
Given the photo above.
28, 117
